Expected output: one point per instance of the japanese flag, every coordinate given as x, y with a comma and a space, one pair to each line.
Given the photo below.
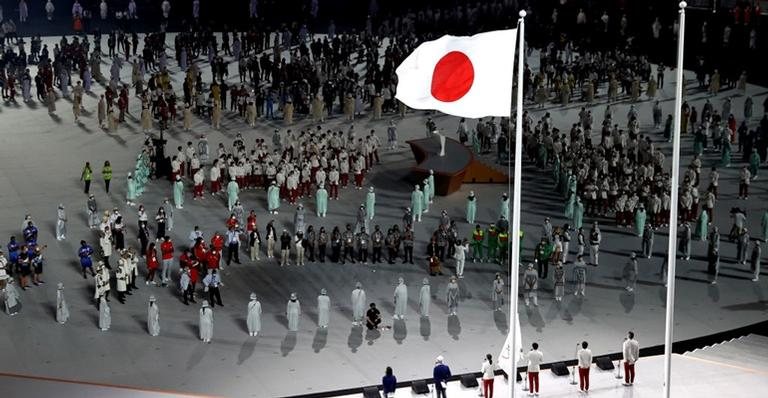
461, 76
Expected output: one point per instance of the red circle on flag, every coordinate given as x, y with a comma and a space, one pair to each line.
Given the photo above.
453, 77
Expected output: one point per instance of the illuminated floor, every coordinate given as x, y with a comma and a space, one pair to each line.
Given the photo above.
36, 177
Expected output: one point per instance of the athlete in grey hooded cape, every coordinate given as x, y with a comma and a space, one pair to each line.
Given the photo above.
61, 223
254, 316
401, 299
11, 298
206, 322
323, 309
62, 310
425, 299
358, 304
153, 317
298, 219
292, 312
452, 296
105, 315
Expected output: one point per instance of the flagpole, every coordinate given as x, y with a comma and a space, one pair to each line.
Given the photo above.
514, 263
672, 251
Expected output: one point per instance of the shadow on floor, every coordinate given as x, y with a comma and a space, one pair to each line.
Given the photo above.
355, 339
454, 327
399, 330
246, 350
320, 340
288, 344
425, 328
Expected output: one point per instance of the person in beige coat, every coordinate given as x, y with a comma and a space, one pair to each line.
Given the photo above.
349, 107
589, 92
650, 92
250, 113
77, 100
714, 83
317, 109
76, 110
51, 101
187, 117
216, 115
288, 112
146, 119
634, 93
378, 102
102, 111
112, 120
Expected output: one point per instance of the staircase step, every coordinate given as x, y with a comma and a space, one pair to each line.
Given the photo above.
749, 351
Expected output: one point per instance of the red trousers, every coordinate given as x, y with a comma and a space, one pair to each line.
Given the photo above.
359, 180
334, 193
198, 191
215, 186
344, 179
584, 379
533, 382
488, 388
629, 372
743, 189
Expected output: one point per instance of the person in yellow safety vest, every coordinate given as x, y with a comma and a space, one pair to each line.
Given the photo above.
477, 243
86, 176
503, 245
493, 242
106, 172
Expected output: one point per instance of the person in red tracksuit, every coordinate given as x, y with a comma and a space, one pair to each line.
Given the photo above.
185, 259
217, 244
194, 277
166, 250
231, 222
250, 222
213, 259
152, 263
200, 250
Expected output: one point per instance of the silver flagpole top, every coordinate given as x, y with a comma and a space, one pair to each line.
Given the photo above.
522, 13
683, 5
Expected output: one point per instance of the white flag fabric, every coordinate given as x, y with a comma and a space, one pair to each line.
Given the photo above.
468, 76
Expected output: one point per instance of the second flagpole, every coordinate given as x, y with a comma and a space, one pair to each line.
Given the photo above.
514, 263
672, 250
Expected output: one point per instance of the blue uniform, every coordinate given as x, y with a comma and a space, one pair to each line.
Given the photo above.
30, 235
13, 252
85, 253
